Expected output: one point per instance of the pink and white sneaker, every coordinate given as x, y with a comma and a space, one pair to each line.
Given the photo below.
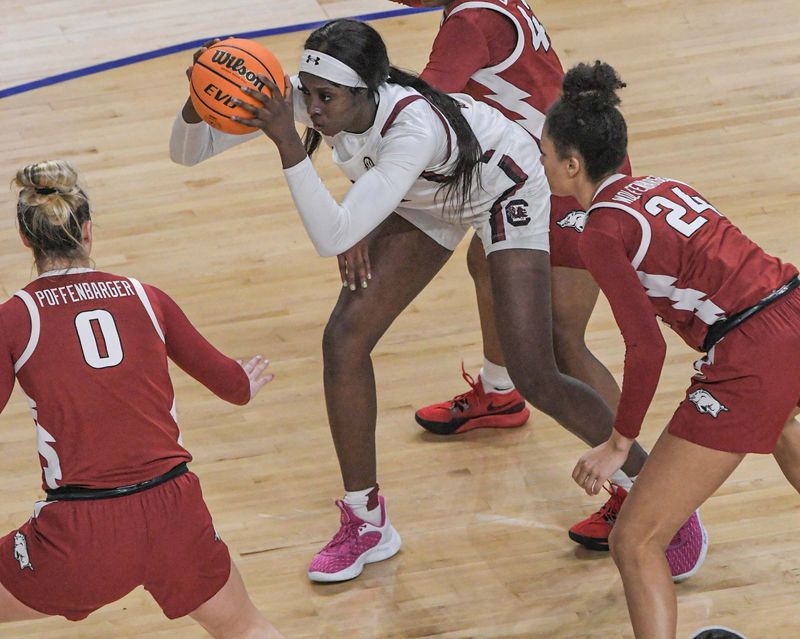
358, 542
687, 550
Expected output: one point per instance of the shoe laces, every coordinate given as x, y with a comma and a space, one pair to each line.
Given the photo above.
608, 512
462, 401
348, 530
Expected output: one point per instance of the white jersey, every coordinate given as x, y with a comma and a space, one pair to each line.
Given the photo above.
398, 164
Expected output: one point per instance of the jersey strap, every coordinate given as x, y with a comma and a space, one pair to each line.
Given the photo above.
643, 223
137, 286
402, 104
33, 340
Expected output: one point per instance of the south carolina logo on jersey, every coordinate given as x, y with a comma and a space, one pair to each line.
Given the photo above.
517, 213
21, 551
573, 220
368, 163
706, 403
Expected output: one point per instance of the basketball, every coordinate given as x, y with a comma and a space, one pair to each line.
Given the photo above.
218, 74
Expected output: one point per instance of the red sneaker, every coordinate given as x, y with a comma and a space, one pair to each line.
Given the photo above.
593, 531
474, 409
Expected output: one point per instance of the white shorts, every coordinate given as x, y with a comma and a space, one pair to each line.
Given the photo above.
518, 219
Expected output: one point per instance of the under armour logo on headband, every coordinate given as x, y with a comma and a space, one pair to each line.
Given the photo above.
329, 68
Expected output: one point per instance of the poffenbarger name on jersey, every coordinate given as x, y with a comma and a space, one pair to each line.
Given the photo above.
82, 291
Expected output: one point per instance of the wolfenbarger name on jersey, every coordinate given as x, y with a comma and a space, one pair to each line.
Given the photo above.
635, 190
83, 291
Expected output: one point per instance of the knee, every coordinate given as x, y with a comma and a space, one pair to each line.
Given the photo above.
630, 547
539, 385
569, 348
476, 261
622, 546
341, 336
347, 334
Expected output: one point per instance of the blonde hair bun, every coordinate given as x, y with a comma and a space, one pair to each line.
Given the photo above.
51, 185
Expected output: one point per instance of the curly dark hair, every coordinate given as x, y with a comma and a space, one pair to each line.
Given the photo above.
586, 119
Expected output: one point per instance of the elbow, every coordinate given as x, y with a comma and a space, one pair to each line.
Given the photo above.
325, 248
327, 252
180, 158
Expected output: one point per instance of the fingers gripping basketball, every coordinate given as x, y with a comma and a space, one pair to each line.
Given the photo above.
218, 74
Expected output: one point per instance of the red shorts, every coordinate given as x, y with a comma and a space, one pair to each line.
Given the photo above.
567, 219
77, 556
747, 385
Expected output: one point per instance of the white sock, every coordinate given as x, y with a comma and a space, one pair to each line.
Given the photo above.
621, 479
357, 500
495, 379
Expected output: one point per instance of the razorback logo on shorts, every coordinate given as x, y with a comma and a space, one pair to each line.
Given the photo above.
573, 220
706, 403
21, 551
517, 213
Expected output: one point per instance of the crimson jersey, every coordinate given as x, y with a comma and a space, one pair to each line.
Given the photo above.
90, 350
657, 248
499, 53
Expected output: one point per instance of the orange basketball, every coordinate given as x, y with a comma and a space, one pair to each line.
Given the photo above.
218, 74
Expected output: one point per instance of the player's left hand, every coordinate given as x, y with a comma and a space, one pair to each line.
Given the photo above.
255, 368
596, 466
274, 113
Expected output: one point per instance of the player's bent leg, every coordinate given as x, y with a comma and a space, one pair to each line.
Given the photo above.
575, 294
677, 478
478, 269
787, 450
403, 260
521, 289
230, 614
486, 404
12, 609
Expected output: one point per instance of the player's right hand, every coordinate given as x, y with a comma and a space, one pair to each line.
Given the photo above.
354, 266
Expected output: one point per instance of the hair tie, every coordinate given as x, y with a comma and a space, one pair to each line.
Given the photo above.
45, 190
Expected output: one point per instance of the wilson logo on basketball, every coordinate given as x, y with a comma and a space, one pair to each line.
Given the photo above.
219, 75
234, 63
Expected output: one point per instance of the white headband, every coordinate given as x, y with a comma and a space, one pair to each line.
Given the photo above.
329, 68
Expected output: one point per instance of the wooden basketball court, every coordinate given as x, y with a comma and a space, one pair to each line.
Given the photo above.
713, 98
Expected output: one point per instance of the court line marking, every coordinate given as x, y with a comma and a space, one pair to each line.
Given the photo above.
192, 44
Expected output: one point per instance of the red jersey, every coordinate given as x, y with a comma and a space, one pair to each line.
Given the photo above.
499, 53
90, 352
657, 248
